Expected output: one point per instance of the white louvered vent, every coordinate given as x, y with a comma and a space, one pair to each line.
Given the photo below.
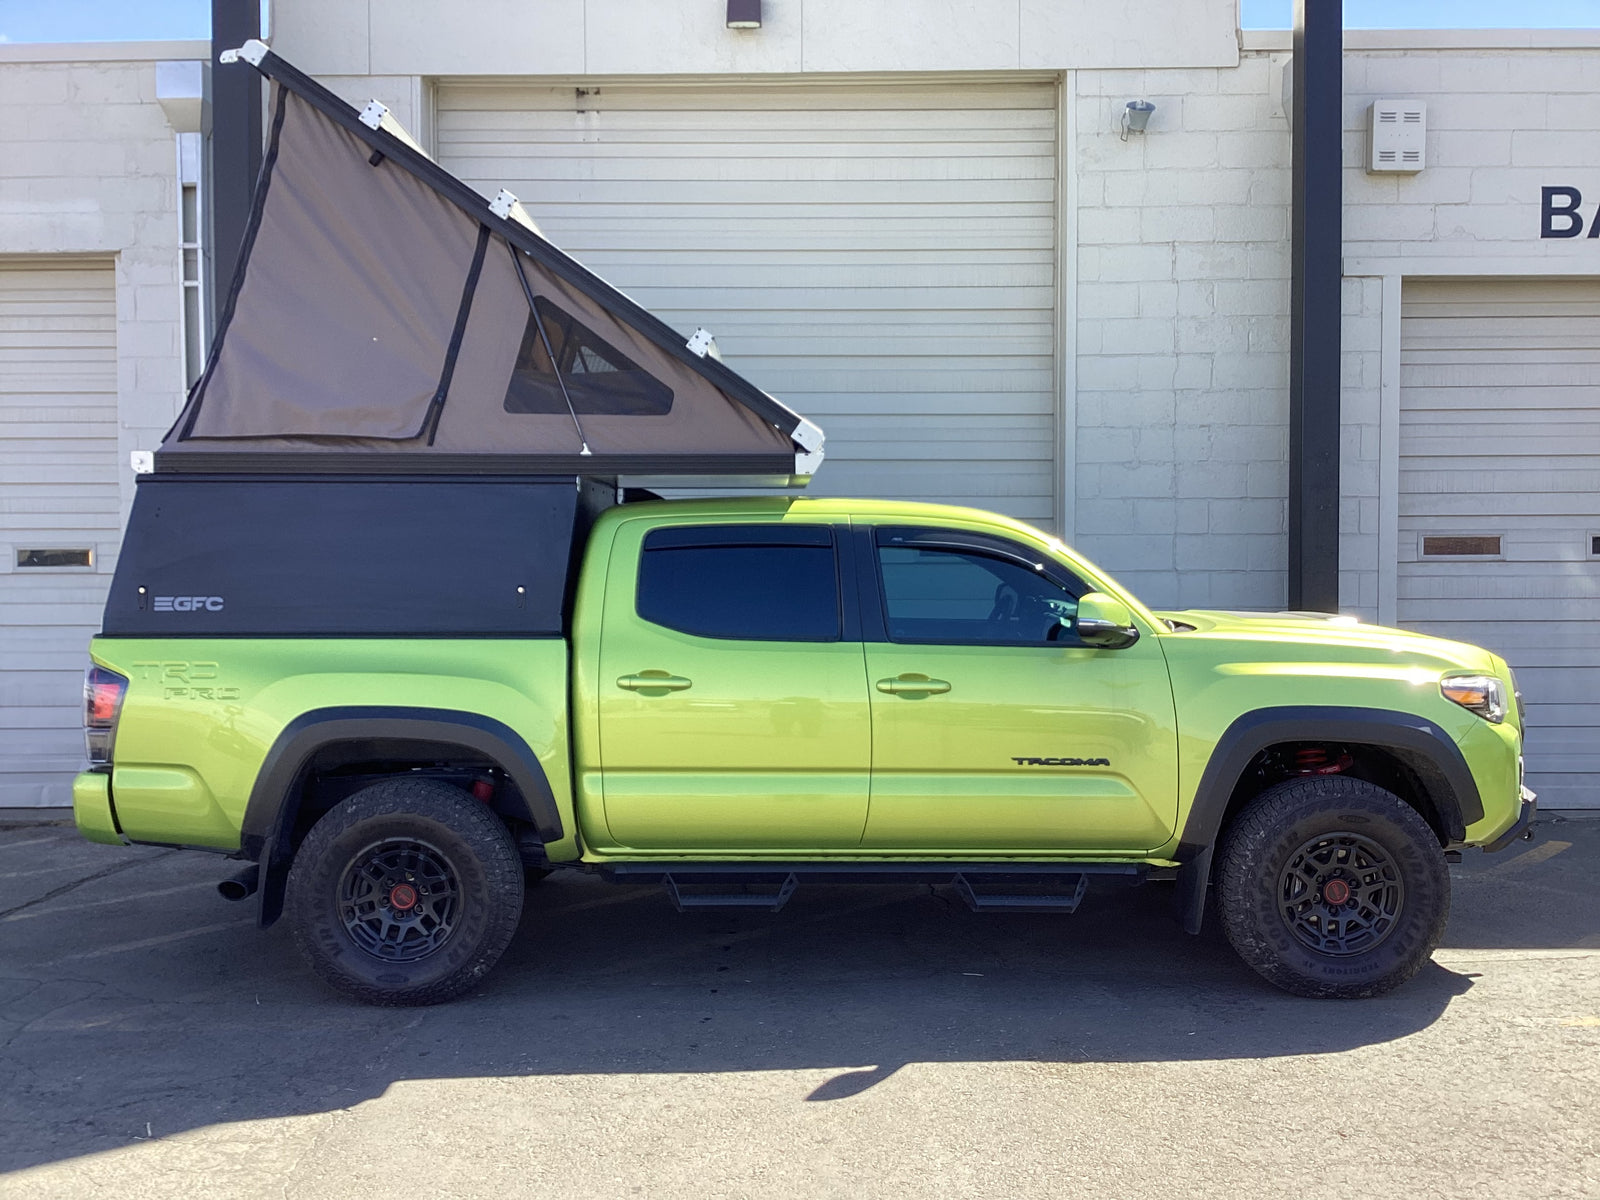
1399, 136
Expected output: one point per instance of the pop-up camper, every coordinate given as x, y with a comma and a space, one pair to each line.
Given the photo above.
414, 407
386, 318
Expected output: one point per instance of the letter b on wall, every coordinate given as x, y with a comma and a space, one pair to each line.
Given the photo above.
1558, 212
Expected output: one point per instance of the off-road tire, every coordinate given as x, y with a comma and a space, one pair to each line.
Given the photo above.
1256, 872
458, 833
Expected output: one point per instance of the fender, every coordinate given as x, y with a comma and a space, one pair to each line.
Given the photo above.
1416, 741
269, 817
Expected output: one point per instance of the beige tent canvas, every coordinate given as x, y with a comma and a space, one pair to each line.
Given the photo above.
385, 317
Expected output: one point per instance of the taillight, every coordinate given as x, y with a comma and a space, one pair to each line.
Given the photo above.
103, 691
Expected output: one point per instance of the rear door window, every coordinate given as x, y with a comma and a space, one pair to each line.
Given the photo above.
744, 582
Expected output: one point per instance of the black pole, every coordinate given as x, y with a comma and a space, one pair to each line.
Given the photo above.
1314, 309
233, 146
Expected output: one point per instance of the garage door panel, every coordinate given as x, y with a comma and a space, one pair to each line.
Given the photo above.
58, 489
1500, 435
882, 258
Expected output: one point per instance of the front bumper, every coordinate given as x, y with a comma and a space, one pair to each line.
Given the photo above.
92, 811
1522, 829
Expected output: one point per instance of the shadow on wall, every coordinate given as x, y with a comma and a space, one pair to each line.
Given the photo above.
140, 997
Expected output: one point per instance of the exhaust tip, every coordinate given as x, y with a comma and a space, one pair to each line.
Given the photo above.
242, 885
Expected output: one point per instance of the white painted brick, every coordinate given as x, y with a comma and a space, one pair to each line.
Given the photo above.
1188, 224
1165, 150
1267, 480
1541, 148
1267, 260
1192, 371
1108, 373
1097, 298
1249, 516
1158, 299
1506, 185
1209, 262
1217, 551
1135, 409
1249, 77
1266, 297
1126, 189
1137, 336
1193, 517
1489, 222
1125, 552
1251, 223
1183, 82
1211, 334
1269, 335
1227, 113
1103, 226
1269, 187
1136, 263
1210, 480
1158, 589
1254, 148
1196, 297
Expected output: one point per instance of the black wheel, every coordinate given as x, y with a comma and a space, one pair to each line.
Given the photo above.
405, 893
1332, 887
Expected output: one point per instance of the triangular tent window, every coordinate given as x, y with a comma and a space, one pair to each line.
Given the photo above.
598, 378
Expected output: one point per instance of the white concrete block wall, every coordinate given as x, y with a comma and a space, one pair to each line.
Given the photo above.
1502, 124
644, 37
88, 166
1182, 333
1360, 462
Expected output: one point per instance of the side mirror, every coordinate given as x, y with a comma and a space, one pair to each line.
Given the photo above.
1105, 622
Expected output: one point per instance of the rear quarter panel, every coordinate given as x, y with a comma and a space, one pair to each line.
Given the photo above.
202, 713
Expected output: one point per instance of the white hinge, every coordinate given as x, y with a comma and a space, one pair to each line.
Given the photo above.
251, 52
143, 462
507, 207
809, 437
701, 343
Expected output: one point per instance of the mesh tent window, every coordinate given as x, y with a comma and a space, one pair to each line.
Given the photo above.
598, 378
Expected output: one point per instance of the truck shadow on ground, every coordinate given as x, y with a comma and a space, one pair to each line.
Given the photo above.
140, 1005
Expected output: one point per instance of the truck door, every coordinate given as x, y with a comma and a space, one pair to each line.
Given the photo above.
732, 692
994, 728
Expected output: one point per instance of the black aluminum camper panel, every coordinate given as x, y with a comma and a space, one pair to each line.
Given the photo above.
313, 556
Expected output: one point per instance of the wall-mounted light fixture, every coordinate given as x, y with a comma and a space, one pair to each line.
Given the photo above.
744, 14
1134, 118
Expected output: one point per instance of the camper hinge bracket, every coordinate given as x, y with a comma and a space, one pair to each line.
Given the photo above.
251, 52
507, 207
701, 343
373, 114
502, 204
808, 436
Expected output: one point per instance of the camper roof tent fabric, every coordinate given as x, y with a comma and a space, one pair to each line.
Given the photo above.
383, 318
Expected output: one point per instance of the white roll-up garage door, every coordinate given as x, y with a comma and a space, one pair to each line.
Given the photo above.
1500, 499
58, 506
881, 258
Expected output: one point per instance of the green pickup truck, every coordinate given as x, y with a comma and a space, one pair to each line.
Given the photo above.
732, 698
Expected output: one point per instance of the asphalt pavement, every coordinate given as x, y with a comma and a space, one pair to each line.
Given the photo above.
863, 1042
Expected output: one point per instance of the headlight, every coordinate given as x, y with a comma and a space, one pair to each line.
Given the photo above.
1483, 694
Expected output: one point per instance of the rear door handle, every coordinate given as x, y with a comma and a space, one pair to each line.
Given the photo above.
654, 682
912, 684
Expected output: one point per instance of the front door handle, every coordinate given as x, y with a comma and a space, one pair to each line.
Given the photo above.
912, 684
653, 683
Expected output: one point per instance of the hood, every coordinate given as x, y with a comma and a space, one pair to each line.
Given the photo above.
1312, 631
